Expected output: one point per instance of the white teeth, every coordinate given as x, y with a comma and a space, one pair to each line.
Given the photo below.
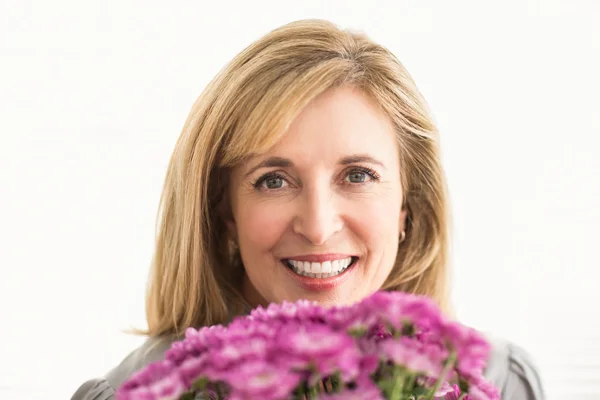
315, 268
306, 266
325, 269
335, 266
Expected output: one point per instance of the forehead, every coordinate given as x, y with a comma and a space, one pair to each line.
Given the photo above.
341, 120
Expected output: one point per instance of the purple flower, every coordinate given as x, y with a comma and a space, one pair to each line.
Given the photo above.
480, 389
414, 355
320, 347
300, 311
378, 332
260, 380
365, 389
195, 368
471, 348
269, 353
196, 342
159, 381
356, 394
397, 309
446, 390
452, 394
238, 350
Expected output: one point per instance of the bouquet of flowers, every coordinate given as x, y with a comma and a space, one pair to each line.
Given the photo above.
392, 345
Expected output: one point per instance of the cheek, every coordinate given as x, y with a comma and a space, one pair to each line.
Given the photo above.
377, 222
260, 226
377, 227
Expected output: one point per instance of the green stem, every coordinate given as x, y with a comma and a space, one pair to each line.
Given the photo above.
410, 382
447, 367
299, 393
335, 383
220, 395
313, 392
398, 384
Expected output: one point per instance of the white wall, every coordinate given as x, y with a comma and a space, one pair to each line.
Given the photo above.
92, 98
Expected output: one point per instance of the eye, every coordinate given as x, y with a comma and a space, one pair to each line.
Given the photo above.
273, 183
361, 175
270, 181
357, 177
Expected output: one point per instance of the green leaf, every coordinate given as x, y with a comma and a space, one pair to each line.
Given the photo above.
408, 329
357, 332
463, 385
420, 391
386, 386
187, 396
200, 384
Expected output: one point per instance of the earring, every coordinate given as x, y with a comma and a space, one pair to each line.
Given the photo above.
402, 237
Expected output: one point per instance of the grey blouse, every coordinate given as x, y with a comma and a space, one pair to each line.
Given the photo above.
509, 368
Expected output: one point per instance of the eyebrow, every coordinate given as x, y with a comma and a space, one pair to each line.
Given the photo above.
280, 162
271, 162
360, 158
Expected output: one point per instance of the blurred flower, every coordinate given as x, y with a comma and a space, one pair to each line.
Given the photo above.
391, 345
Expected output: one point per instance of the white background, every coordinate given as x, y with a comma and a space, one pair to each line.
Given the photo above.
93, 96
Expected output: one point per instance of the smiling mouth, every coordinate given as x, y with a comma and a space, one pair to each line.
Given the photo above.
320, 270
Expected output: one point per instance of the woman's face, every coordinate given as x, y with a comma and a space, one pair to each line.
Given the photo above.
318, 216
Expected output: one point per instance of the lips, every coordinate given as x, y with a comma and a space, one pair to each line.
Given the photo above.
323, 269
322, 272
323, 281
320, 257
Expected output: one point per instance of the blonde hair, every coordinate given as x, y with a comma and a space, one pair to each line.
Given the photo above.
195, 275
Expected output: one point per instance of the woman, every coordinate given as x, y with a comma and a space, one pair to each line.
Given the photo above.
308, 168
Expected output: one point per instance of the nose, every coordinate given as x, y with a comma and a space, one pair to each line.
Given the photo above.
318, 215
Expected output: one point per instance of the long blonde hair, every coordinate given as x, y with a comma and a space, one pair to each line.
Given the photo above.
195, 275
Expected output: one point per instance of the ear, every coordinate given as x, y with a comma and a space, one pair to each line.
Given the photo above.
402, 221
226, 215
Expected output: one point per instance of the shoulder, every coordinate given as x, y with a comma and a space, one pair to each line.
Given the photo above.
153, 349
513, 371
